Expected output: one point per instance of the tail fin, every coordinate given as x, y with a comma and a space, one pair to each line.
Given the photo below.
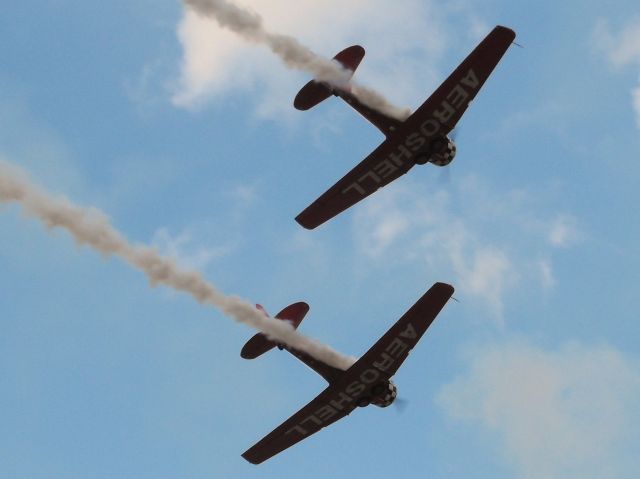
260, 344
315, 92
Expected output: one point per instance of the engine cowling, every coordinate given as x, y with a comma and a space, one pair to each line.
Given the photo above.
384, 394
443, 151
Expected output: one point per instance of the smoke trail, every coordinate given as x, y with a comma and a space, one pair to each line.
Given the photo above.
295, 55
89, 226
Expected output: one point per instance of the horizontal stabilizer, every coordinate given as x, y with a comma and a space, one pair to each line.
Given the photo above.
260, 344
310, 95
315, 92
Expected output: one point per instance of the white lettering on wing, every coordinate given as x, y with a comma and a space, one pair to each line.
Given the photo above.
345, 398
398, 160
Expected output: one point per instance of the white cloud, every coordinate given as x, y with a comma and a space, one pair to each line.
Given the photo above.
557, 414
486, 276
384, 224
482, 270
403, 39
622, 49
244, 195
146, 89
485, 242
39, 146
213, 60
546, 274
401, 225
386, 231
563, 231
636, 103
181, 248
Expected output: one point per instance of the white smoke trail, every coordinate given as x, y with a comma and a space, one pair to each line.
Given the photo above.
89, 226
295, 55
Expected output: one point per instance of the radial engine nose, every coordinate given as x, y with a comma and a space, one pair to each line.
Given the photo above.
386, 394
444, 151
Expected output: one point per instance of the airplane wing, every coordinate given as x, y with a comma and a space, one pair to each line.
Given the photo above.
388, 354
448, 103
307, 421
436, 117
375, 171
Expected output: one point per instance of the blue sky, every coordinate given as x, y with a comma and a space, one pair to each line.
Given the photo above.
186, 137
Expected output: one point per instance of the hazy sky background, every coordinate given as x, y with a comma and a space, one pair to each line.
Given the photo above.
186, 137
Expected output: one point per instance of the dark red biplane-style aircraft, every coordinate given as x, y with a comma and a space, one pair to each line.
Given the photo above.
422, 138
368, 381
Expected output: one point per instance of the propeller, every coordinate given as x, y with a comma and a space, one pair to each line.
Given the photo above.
401, 404
444, 177
453, 134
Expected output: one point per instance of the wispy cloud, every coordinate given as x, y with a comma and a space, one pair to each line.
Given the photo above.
183, 248
546, 273
635, 94
249, 26
41, 149
244, 195
147, 89
622, 48
485, 274
217, 61
488, 242
570, 412
91, 227
564, 231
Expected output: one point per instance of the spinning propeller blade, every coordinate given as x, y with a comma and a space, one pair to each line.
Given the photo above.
401, 404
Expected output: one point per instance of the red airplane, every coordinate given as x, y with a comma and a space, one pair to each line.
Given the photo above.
368, 381
422, 138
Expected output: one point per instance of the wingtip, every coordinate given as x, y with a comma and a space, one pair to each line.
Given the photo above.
445, 288
511, 32
246, 354
247, 457
305, 224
